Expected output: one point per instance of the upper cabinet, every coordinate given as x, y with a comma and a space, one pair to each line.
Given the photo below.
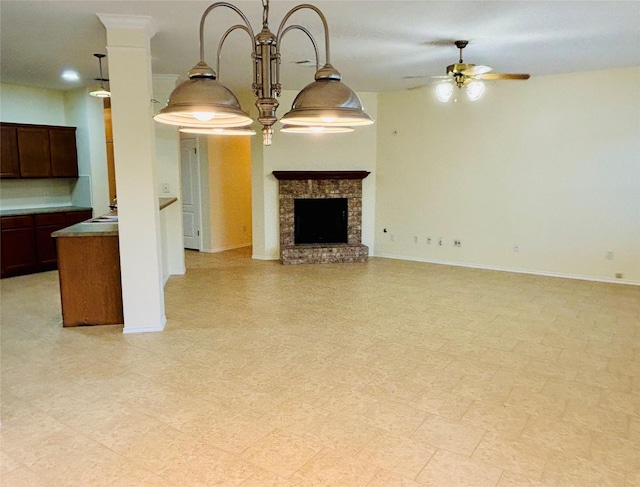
64, 158
38, 151
10, 162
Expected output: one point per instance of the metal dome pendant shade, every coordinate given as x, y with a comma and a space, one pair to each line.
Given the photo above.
202, 102
327, 102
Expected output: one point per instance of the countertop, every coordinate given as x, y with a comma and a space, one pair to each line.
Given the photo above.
101, 229
46, 209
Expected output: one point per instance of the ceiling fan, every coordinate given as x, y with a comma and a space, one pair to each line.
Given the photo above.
463, 74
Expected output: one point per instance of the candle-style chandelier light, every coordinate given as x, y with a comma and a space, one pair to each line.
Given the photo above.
202, 102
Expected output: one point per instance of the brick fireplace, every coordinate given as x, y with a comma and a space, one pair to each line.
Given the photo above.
309, 185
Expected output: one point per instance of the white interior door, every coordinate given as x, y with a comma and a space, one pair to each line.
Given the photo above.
190, 194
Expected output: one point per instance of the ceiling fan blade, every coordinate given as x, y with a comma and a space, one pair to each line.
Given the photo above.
492, 76
426, 77
476, 70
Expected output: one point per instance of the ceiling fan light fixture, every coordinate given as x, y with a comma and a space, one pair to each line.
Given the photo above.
444, 92
474, 90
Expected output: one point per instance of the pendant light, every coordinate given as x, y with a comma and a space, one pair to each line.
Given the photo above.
203, 102
101, 92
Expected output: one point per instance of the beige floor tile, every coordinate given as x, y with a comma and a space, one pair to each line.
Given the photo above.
215, 467
572, 391
453, 470
535, 403
501, 417
556, 434
453, 436
23, 477
344, 434
397, 454
568, 470
516, 455
510, 479
264, 370
384, 478
617, 454
443, 402
597, 419
281, 452
396, 417
329, 467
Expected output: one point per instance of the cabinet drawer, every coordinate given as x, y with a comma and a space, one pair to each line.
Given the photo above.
50, 219
16, 221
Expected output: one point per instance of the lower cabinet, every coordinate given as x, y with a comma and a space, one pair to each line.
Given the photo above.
26, 243
18, 245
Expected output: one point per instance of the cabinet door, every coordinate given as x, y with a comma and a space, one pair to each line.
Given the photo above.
18, 249
46, 224
64, 156
73, 217
10, 163
35, 155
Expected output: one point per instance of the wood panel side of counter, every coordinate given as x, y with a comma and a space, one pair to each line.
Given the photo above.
90, 285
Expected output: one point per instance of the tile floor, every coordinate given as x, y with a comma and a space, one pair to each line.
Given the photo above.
383, 374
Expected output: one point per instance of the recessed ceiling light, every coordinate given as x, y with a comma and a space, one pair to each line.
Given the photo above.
70, 75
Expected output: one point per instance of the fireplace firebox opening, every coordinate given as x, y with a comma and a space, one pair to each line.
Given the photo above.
320, 220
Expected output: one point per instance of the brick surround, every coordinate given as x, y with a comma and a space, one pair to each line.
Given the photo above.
321, 184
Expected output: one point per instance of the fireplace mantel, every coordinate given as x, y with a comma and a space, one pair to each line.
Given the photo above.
304, 175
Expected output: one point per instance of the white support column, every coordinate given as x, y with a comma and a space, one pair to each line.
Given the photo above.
130, 80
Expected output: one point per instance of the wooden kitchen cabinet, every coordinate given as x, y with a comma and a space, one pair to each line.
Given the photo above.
9, 160
38, 151
90, 286
18, 251
46, 224
34, 152
64, 154
27, 245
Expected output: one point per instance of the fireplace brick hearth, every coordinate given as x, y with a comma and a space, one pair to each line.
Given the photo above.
321, 184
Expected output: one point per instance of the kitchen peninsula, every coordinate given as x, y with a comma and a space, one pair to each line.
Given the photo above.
89, 271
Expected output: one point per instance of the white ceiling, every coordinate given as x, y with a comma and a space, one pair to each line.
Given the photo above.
374, 44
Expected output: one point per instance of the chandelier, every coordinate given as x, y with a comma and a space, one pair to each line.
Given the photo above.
203, 105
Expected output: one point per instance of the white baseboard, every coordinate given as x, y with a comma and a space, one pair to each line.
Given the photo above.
510, 269
265, 257
222, 249
145, 329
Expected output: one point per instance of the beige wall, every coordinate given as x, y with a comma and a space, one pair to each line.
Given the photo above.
229, 198
551, 165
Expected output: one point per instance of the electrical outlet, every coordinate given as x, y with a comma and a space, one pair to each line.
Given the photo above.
440, 241
457, 243
609, 254
429, 240
165, 188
